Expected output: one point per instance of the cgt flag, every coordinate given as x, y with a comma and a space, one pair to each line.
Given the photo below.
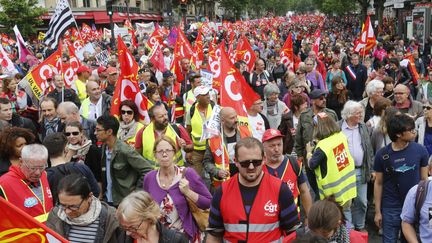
367, 39
127, 86
17, 226
287, 53
35, 81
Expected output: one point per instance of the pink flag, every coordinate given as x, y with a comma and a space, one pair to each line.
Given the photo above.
22, 49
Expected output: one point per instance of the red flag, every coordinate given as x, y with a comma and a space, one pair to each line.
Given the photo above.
412, 68
316, 44
214, 59
69, 70
234, 92
86, 33
198, 56
35, 81
156, 57
367, 39
183, 47
155, 38
18, 226
287, 53
127, 86
128, 24
244, 52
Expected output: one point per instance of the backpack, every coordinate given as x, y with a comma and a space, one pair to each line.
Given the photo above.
192, 109
421, 193
294, 164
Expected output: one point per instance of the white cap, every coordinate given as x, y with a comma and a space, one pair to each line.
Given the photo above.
200, 90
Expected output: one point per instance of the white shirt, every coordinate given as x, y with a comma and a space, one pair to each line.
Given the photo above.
95, 110
258, 126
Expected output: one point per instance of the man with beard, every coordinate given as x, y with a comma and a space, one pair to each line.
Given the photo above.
232, 217
305, 129
219, 167
159, 125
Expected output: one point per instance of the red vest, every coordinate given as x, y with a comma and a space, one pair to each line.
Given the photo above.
16, 191
215, 147
289, 177
262, 225
179, 110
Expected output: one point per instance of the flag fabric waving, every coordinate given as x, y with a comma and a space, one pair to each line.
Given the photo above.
244, 52
127, 86
6, 63
17, 226
367, 39
317, 41
35, 81
59, 23
287, 53
22, 49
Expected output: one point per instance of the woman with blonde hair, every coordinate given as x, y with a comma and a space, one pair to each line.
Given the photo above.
139, 214
331, 160
170, 185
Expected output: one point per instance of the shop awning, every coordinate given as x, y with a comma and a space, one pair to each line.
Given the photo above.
101, 17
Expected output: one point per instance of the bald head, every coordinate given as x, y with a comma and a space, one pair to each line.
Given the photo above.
401, 93
229, 119
93, 90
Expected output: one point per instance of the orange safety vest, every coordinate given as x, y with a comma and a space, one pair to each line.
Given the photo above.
17, 191
215, 147
262, 223
290, 177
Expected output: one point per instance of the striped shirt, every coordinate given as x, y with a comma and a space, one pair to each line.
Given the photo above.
85, 233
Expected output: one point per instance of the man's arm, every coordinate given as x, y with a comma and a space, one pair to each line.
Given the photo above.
378, 188
407, 216
288, 216
208, 162
424, 173
306, 199
298, 145
215, 229
139, 164
213, 239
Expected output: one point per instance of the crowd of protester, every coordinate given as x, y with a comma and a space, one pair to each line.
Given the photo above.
334, 136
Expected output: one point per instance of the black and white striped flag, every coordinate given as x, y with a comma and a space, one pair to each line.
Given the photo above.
60, 22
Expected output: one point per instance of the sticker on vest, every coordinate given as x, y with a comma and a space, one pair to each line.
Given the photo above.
404, 168
290, 185
341, 157
270, 209
30, 202
48, 191
218, 152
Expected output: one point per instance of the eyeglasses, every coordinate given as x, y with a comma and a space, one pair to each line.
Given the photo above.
71, 207
427, 107
298, 73
67, 134
399, 93
246, 163
35, 168
130, 112
162, 152
132, 228
113, 74
411, 131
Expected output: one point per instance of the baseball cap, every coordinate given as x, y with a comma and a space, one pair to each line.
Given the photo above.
101, 69
82, 69
271, 133
167, 74
112, 70
316, 93
200, 90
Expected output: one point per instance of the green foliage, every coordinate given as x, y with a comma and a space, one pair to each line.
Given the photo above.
303, 6
337, 6
23, 13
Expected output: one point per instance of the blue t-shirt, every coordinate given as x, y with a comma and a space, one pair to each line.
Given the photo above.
408, 210
406, 164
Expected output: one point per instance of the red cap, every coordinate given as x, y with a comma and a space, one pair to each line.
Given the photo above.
83, 69
101, 69
112, 70
271, 133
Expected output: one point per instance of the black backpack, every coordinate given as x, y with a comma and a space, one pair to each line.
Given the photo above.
421, 193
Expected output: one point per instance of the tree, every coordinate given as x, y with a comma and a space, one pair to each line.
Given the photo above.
236, 7
337, 6
23, 13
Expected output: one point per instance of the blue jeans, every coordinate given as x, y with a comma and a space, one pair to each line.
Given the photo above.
391, 223
359, 206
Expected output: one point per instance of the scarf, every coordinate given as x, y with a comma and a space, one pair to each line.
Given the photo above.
127, 130
51, 126
81, 150
84, 219
341, 235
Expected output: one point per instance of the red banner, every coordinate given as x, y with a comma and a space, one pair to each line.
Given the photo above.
317, 41
69, 70
17, 226
156, 57
244, 52
287, 53
155, 38
127, 86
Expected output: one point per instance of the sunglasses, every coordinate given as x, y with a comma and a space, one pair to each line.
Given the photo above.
427, 107
71, 133
246, 163
298, 73
127, 112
